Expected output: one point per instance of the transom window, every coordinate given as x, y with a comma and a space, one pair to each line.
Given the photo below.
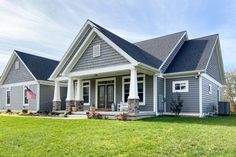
8, 97
26, 101
141, 89
96, 50
180, 86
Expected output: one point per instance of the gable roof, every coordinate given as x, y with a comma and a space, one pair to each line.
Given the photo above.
132, 50
161, 47
193, 55
40, 67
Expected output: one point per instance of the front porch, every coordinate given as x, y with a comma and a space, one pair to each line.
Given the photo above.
127, 90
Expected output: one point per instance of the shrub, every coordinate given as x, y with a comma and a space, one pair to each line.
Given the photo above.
176, 105
122, 116
94, 115
8, 111
24, 111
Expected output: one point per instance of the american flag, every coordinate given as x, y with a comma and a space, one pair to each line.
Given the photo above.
30, 95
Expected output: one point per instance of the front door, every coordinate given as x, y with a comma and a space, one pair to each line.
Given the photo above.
105, 95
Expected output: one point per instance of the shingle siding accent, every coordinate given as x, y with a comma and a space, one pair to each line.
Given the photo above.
17, 99
213, 67
190, 99
108, 57
18, 75
173, 54
208, 100
160, 93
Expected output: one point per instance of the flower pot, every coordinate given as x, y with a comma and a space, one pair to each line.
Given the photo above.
74, 109
92, 109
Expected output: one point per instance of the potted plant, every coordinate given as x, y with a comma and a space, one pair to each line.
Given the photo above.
73, 108
92, 108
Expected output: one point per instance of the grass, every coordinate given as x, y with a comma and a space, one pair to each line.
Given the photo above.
161, 136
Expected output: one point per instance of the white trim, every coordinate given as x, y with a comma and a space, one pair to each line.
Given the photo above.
8, 90
208, 77
182, 114
25, 66
175, 75
68, 53
155, 103
180, 90
101, 70
20, 84
165, 94
97, 48
182, 76
8, 67
144, 88
38, 97
96, 89
87, 104
200, 97
172, 51
51, 83
24, 104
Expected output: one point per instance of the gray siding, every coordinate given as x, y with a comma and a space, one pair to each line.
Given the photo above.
190, 99
171, 57
108, 57
17, 99
160, 94
2, 98
46, 97
149, 95
213, 67
19, 75
208, 100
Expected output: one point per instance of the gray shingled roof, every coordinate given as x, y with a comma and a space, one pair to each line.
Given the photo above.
193, 55
40, 67
161, 47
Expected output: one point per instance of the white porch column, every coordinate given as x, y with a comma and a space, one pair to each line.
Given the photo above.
79, 94
57, 94
70, 90
133, 89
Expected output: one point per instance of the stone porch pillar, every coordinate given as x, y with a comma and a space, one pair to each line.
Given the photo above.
133, 99
70, 94
57, 97
79, 100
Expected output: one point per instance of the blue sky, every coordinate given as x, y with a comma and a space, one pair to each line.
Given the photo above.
47, 27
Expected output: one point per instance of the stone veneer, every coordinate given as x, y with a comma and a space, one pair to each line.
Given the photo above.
79, 105
133, 106
56, 105
69, 104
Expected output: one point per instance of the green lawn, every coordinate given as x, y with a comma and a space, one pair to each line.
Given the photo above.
162, 136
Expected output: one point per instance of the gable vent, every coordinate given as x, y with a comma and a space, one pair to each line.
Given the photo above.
96, 50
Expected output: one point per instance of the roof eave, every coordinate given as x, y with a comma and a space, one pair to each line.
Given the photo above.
194, 72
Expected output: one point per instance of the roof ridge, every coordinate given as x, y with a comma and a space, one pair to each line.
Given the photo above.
17, 51
160, 37
205, 36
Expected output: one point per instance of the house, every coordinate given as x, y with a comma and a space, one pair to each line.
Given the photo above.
26, 71
103, 70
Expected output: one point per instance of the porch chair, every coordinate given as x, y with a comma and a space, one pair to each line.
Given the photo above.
122, 107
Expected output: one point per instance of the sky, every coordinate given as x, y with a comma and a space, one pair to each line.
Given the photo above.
48, 27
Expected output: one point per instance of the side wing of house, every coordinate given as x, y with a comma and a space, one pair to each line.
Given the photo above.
15, 77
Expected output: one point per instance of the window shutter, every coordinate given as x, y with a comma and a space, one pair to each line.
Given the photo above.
96, 50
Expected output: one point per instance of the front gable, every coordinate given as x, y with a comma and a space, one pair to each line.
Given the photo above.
108, 57
13, 75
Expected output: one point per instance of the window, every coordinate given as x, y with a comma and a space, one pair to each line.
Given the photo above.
141, 89
86, 92
25, 99
8, 97
17, 65
210, 89
96, 50
180, 86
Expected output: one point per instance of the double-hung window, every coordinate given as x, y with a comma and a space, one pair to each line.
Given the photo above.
180, 86
141, 89
8, 97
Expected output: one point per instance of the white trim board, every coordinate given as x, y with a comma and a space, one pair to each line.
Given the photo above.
182, 114
208, 77
19, 84
200, 97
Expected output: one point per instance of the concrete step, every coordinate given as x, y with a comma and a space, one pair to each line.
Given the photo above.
76, 116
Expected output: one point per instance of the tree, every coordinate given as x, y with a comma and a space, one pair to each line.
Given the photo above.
176, 105
230, 89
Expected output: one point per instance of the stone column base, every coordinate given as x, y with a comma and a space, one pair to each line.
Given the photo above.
80, 105
69, 104
133, 106
56, 105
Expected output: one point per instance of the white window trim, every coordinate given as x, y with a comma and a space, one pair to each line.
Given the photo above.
8, 90
25, 104
210, 88
144, 89
87, 81
179, 82
97, 46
